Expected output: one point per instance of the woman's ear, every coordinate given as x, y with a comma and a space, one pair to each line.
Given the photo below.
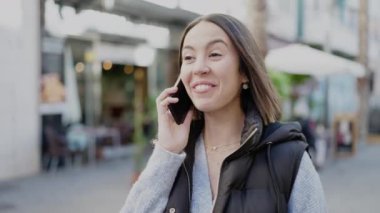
243, 75
244, 78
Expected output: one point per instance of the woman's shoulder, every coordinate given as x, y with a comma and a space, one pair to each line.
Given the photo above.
287, 134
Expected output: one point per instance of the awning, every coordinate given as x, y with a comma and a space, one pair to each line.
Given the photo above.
302, 59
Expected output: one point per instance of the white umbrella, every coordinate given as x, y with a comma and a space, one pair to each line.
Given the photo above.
302, 59
72, 112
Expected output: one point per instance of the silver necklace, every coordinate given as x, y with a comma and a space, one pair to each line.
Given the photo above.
216, 148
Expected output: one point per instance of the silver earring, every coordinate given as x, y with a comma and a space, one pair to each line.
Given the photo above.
245, 86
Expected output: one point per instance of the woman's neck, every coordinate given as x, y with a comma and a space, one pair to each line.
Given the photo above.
223, 126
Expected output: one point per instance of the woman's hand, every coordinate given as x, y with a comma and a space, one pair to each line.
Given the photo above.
171, 136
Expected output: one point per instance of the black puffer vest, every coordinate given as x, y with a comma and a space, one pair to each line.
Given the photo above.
258, 177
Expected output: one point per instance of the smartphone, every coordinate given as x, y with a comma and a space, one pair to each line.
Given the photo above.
179, 110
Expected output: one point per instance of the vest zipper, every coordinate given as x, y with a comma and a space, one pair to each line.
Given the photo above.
273, 177
216, 196
250, 135
188, 182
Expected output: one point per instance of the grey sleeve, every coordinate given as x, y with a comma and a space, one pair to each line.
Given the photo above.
151, 191
307, 194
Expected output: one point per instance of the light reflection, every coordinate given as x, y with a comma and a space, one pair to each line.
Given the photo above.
128, 69
107, 65
79, 67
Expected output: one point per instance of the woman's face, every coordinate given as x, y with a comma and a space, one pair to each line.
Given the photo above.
210, 68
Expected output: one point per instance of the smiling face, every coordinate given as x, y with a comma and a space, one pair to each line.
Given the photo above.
210, 68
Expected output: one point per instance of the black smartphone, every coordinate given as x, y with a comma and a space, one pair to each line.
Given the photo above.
179, 110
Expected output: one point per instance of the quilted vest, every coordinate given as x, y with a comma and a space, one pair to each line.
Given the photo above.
257, 178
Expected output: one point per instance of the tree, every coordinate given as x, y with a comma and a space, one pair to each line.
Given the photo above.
258, 23
42, 14
363, 59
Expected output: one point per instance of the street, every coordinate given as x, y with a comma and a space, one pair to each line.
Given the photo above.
350, 184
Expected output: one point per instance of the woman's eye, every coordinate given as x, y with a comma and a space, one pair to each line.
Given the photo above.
188, 58
215, 55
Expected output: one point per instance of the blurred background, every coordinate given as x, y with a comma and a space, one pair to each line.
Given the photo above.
80, 78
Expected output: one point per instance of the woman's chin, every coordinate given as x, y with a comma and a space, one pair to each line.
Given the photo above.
204, 107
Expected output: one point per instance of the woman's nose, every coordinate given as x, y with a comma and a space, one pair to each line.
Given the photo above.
201, 67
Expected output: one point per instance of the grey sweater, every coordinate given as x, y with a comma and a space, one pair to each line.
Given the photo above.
151, 192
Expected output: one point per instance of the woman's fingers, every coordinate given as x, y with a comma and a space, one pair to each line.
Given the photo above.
164, 94
164, 99
167, 101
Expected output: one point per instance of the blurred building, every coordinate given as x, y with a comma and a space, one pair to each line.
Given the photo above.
89, 62
331, 26
328, 24
19, 88
119, 54
99, 63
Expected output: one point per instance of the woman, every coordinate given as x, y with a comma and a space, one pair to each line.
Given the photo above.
235, 156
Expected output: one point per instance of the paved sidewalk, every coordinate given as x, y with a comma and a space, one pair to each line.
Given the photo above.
101, 188
351, 185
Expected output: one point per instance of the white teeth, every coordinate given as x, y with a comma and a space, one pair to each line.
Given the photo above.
202, 87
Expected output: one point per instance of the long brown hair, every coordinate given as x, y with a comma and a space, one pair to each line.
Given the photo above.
261, 94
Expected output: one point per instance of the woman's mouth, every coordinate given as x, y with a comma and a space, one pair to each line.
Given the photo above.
202, 86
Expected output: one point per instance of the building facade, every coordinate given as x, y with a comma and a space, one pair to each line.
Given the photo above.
19, 88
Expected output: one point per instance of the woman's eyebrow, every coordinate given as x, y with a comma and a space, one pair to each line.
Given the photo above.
187, 47
215, 41
210, 43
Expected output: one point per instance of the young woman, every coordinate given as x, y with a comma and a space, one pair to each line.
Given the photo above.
234, 156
